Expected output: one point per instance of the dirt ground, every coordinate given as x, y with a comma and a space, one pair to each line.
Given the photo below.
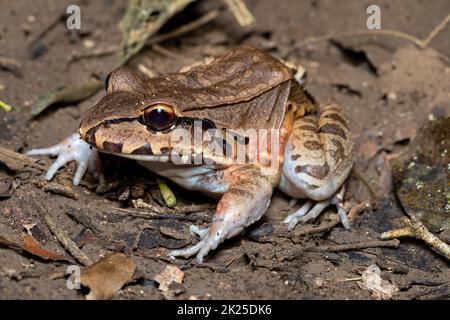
388, 87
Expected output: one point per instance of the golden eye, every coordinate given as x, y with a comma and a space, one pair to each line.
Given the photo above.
159, 117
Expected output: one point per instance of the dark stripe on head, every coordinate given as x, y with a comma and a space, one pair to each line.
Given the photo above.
334, 129
295, 157
90, 136
318, 172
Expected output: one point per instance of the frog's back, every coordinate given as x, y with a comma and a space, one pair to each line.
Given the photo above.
244, 88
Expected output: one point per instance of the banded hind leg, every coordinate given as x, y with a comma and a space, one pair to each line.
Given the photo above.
318, 160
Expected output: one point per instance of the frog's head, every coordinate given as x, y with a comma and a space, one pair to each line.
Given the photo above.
132, 121
242, 89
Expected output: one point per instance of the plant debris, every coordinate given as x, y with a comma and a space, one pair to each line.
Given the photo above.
167, 194
30, 245
142, 20
372, 281
65, 95
106, 277
56, 188
168, 278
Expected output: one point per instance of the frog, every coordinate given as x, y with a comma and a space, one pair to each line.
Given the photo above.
241, 90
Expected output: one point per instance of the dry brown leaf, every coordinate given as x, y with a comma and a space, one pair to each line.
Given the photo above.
30, 245
167, 276
106, 277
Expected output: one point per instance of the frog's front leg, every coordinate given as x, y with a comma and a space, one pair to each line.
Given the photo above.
245, 202
318, 160
71, 148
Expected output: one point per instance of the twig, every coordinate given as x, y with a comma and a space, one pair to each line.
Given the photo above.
415, 228
60, 235
163, 51
420, 43
56, 188
188, 27
356, 246
154, 215
425, 42
99, 52
240, 11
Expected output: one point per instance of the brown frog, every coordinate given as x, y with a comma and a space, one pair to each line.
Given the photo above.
234, 128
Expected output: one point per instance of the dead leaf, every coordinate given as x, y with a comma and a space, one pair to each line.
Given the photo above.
106, 277
372, 281
30, 245
173, 233
167, 276
69, 94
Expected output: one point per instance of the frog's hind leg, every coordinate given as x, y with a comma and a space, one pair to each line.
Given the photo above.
318, 159
244, 203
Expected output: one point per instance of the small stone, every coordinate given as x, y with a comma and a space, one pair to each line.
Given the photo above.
392, 96
318, 282
88, 44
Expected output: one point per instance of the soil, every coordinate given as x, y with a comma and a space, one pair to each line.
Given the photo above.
388, 87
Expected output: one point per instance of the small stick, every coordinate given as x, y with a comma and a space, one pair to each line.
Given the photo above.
425, 42
163, 51
56, 188
208, 17
6, 107
153, 215
60, 235
415, 228
356, 246
420, 43
240, 12
99, 52
168, 196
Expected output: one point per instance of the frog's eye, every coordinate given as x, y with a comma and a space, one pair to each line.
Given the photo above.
159, 117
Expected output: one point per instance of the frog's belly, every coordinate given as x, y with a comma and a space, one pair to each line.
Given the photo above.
206, 179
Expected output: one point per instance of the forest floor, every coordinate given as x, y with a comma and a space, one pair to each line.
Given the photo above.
388, 87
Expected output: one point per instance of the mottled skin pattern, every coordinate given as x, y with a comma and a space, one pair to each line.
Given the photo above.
243, 89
